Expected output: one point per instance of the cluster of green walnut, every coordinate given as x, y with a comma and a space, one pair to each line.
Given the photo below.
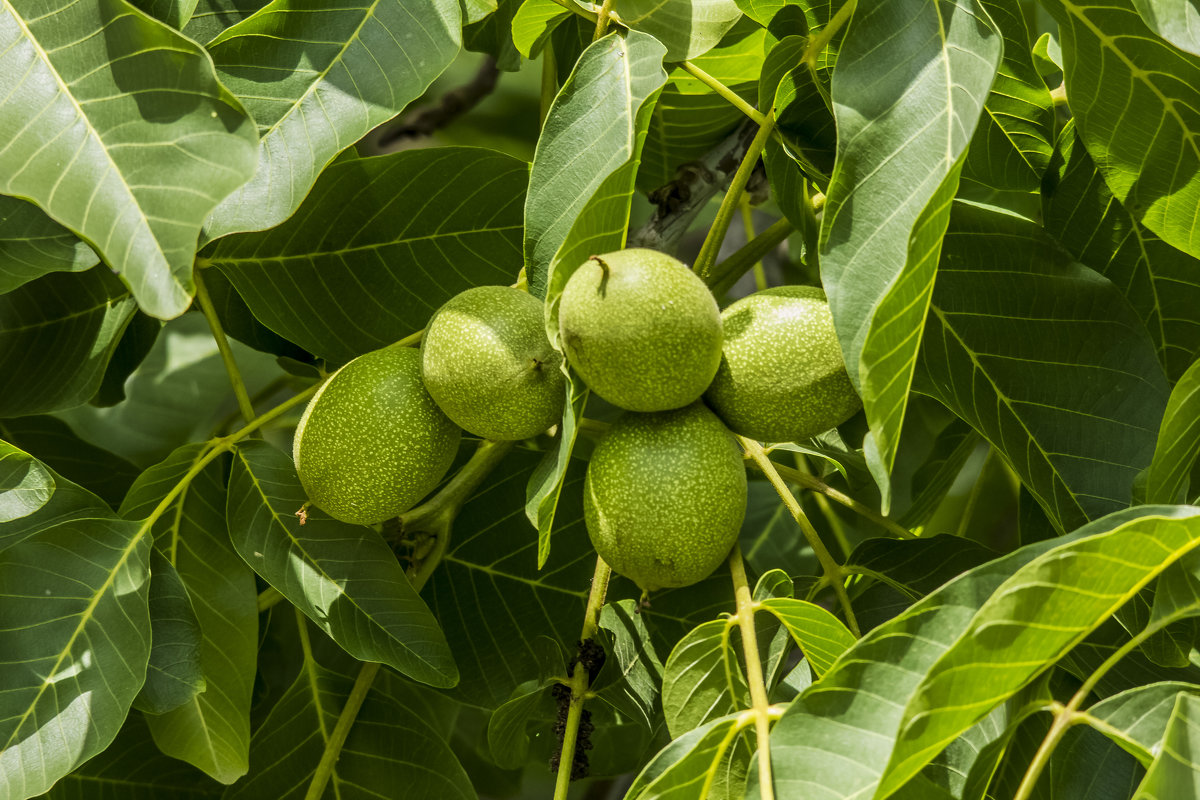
665, 491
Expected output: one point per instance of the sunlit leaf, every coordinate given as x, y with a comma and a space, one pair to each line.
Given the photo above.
903, 126
32, 244
344, 577
147, 141
1013, 143
212, 729
1177, 21
1136, 102
75, 633
362, 64
1030, 621
1160, 282
1175, 773
1178, 440
26, 485
582, 179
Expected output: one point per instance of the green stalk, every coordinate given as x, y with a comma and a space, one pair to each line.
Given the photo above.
549, 83
724, 91
214, 323
358, 694
1069, 715
716, 234
754, 671
760, 275
578, 681
722, 277
834, 574
817, 485
602, 20
435, 517
818, 43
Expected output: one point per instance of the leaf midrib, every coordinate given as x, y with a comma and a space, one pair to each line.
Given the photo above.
1008, 404
84, 618
310, 560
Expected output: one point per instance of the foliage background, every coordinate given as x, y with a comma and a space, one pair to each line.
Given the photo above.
206, 206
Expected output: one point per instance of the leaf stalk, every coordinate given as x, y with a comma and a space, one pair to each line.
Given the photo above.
834, 574
754, 671
716, 234
231, 367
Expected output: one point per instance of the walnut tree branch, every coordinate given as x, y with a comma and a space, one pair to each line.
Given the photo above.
453, 104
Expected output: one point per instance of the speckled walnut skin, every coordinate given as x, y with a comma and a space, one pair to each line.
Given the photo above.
487, 362
641, 330
372, 442
781, 377
665, 496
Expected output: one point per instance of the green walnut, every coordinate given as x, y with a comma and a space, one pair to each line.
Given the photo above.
665, 496
487, 362
782, 377
641, 329
372, 442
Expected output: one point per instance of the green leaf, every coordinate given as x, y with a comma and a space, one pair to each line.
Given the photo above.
57, 334
911, 81
391, 750
492, 33
362, 65
212, 729
582, 179
801, 105
1161, 283
344, 577
32, 244
146, 143
1137, 719
632, 673
932, 481
177, 394
132, 768
1177, 21
703, 678
174, 13
135, 344
840, 737
689, 118
53, 442
1175, 773
535, 20
710, 761
1030, 621
507, 729
1015, 335
210, 17
26, 485
74, 630
28, 482
918, 566
1014, 141
379, 244
820, 634
174, 675
489, 595
687, 28
1136, 102
1178, 441
546, 483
